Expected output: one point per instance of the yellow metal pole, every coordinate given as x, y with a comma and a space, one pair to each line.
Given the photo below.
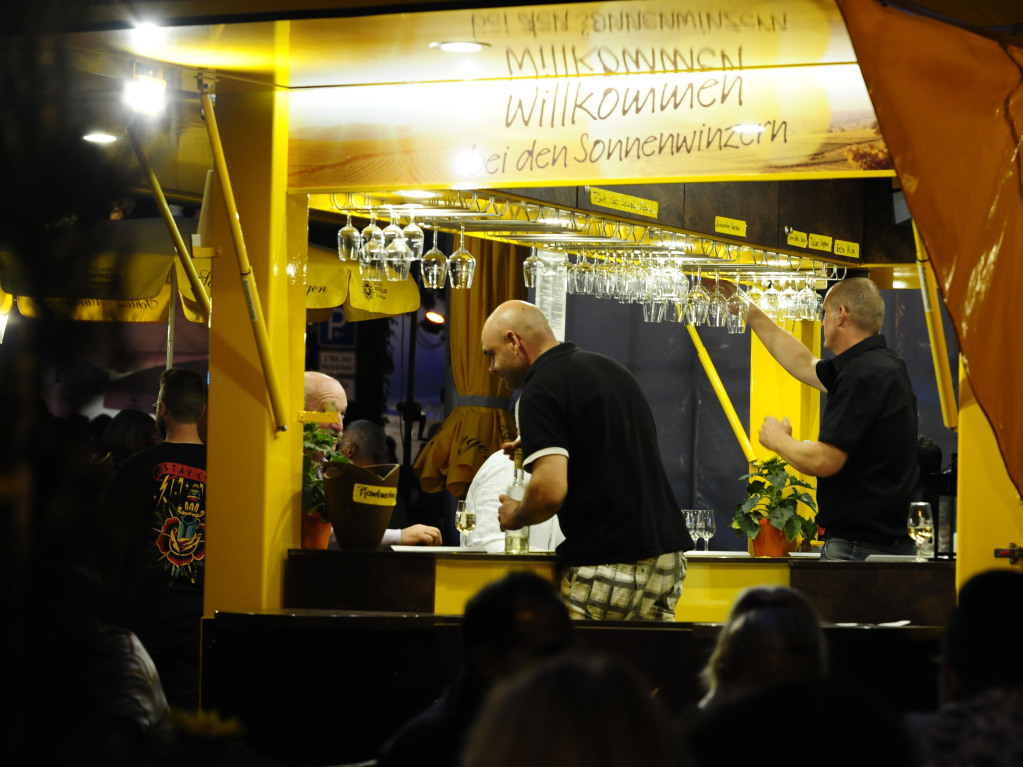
244, 268
936, 333
719, 389
184, 254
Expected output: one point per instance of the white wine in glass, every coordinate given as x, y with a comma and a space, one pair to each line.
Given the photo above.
920, 525
465, 519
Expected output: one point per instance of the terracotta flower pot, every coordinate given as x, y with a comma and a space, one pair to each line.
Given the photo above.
315, 532
360, 500
770, 541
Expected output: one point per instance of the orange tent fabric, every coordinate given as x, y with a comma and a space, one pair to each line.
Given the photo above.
472, 432
949, 102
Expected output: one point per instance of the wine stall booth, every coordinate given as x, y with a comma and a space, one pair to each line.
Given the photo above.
610, 161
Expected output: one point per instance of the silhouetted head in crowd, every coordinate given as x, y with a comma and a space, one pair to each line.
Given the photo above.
772, 634
513, 622
777, 724
572, 712
129, 432
981, 644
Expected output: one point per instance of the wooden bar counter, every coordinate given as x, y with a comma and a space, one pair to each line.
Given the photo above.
441, 581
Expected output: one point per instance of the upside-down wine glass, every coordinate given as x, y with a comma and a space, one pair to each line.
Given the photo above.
434, 265
461, 265
371, 257
531, 269
349, 241
414, 237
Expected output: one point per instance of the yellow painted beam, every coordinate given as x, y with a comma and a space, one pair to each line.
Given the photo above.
936, 333
254, 471
989, 513
458, 581
722, 395
253, 304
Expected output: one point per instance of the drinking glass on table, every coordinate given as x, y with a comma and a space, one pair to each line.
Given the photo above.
921, 529
465, 520
690, 517
706, 527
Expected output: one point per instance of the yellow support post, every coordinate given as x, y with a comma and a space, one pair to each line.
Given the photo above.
255, 308
184, 254
722, 395
936, 333
253, 498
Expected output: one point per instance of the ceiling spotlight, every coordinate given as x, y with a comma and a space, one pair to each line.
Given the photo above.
146, 92
99, 137
460, 46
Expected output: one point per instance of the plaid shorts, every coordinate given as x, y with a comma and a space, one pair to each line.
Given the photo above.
645, 590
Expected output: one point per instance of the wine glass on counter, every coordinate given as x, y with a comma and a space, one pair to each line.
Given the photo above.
921, 529
706, 526
465, 520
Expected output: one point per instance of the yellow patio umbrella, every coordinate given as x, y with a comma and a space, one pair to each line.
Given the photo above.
480, 420
126, 281
962, 177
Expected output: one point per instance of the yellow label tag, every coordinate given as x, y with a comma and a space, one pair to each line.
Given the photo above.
626, 203
820, 242
375, 496
732, 226
850, 249
796, 239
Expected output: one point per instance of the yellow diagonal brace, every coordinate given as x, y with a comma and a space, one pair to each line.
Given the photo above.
936, 333
719, 390
184, 254
244, 267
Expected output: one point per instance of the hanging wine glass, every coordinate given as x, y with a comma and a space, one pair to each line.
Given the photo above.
717, 310
397, 260
434, 266
788, 302
738, 309
391, 231
414, 238
371, 258
808, 299
349, 241
699, 302
461, 265
531, 269
770, 300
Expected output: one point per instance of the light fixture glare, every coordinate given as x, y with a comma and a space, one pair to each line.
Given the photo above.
99, 137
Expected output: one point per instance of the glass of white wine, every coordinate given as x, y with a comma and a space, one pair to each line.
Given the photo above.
465, 520
921, 529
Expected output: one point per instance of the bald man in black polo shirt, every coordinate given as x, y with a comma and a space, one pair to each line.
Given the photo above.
589, 439
865, 457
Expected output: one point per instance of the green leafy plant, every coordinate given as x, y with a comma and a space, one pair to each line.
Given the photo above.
775, 495
317, 443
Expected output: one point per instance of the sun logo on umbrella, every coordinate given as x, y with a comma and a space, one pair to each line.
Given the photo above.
367, 289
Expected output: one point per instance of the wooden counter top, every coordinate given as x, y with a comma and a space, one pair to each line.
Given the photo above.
440, 582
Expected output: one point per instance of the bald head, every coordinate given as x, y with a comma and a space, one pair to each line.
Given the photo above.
514, 335
324, 394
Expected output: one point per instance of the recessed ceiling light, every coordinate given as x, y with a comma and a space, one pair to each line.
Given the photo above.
416, 194
100, 138
465, 185
460, 46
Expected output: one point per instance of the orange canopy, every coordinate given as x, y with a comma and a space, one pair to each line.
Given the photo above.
950, 105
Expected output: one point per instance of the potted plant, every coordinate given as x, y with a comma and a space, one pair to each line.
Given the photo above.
776, 501
319, 447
